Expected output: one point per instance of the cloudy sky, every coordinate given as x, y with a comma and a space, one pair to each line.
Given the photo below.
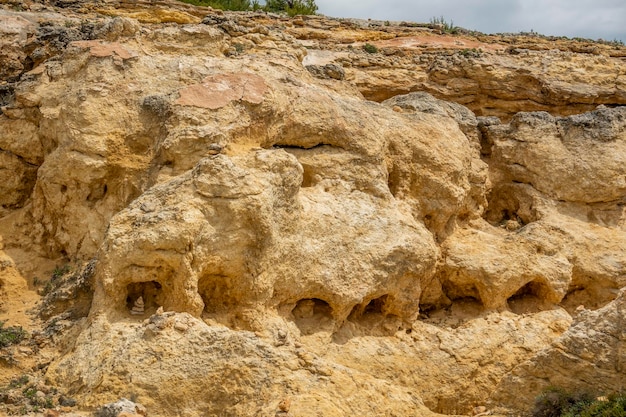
593, 19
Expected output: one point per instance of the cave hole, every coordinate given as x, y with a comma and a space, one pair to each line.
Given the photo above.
511, 206
393, 182
7, 94
300, 147
527, 299
508, 216
310, 172
217, 294
28, 64
590, 297
308, 176
150, 293
312, 307
312, 315
97, 192
375, 306
456, 293
426, 310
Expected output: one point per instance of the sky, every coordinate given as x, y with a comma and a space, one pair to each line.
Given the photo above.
592, 19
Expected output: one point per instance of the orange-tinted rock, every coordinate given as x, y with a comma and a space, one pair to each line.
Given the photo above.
218, 91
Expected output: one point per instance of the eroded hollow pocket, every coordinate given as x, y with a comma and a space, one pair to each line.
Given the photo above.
312, 315
143, 297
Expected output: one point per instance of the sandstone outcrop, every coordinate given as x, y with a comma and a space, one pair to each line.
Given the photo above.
222, 372
589, 357
252, 232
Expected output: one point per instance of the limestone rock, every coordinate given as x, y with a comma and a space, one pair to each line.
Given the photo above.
589, 357
574, 159
17, 179
218, 91
208, 272
332, 71
138, 307
255, 235
536, 81
14, 33
492, 266
222, 360
121, 408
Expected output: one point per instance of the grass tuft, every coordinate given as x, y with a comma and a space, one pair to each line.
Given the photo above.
11, 335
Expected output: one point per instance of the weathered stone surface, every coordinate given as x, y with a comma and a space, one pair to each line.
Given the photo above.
535, 81
332, 71
492, 265
218, 91
588, 357
14, 33
101, 49
121, 408
252, 236
236, 373
470, 353
207, 265
575, 159
17, 179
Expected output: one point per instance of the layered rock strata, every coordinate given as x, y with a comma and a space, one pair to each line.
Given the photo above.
258, 232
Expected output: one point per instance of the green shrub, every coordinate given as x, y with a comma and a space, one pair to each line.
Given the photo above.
222, 4
10, 335
291, 7
60, 271
18, 382
55, 279
611, 406
445, 26
369, 48
474, 53
556, 402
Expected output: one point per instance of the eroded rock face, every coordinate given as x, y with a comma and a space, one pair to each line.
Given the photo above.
589, 357
492, 266
574, 159
535, 81
236, 373
259, 234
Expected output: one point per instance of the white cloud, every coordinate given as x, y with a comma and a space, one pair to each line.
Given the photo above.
574, 18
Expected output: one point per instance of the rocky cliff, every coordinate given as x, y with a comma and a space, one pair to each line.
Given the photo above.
246, 214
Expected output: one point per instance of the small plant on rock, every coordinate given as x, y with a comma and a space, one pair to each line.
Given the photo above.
611, 406
292, 7
55, 279
556, 402
370, 49
470, 53
18, 382
440, 22
10, 335
222, 4
60, 271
